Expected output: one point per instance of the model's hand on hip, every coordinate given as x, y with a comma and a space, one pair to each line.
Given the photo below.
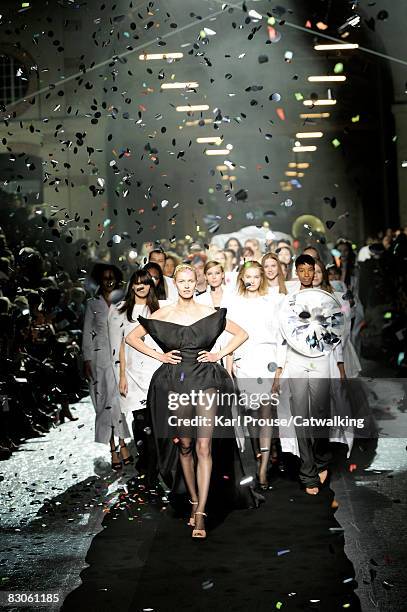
171, 357
207, 357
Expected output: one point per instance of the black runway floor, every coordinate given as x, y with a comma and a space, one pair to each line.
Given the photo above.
288, 554
103, 542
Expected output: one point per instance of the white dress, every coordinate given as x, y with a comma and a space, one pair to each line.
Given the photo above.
256, 359
102, 389
139, 367
231, 281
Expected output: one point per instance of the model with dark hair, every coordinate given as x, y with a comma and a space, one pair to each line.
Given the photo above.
234, 245
285, 257
98, 369
133, 371
309, 383
166, 288
157, 276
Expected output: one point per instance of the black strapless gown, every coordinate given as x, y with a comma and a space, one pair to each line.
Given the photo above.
230, 466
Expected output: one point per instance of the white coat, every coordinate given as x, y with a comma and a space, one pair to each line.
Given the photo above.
96, 349
340, 401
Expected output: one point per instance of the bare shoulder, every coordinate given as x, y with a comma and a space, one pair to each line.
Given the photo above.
204, 309
163, 313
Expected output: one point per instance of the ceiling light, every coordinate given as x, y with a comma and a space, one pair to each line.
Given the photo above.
303, 149
192, 85
290, 173
285, 186
192, 108
221, 168
326, 102
315, 115
301, 165
210, 139
324, 79
309, 134
156, 56
335, 46
196, 122
217, 152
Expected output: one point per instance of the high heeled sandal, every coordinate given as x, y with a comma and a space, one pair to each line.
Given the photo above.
129, 459
199, 534
115, 466
191, 522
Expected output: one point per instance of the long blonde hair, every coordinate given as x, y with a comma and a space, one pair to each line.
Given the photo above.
241, 289
281, 280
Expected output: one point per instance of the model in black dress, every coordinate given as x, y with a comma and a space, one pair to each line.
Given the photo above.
189, 367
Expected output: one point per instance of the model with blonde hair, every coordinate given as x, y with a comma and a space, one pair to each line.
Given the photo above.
255, 362
186, 332
274, 273
251, 275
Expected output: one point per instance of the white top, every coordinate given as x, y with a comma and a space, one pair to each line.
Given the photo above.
139, 367
206, 298
257, 357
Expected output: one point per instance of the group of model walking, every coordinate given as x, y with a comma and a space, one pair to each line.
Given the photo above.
142, 349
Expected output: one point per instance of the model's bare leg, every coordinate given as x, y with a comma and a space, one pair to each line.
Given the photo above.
265, 444
187, 463
124, 451
206, 408
323, 476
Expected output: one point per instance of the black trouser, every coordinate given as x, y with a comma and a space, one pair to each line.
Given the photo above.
310, 397
147, 454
